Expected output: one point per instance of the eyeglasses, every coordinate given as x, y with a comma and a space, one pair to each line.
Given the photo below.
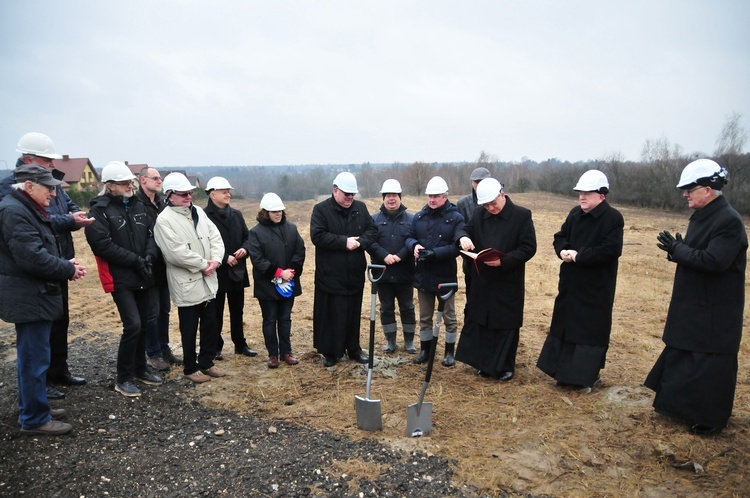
688, 192
154, 178
182, 194
346, 194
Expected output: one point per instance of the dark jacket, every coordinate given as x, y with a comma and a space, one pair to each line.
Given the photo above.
59, 210
392, 231
435, 229
496, 296
338, 270
586, 290
234, 233
118, 238
30, 264
466, 206
708, 297
153, 209
273, 246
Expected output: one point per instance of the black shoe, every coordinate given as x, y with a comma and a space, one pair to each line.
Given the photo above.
68, 379
505, 376
127, 388
483, 374
329, 361
246, 351
422, 357
219, 356
169, 357
149, 379
704, 430
359, 357
53, 393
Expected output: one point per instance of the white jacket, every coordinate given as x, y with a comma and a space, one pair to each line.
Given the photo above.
187, 247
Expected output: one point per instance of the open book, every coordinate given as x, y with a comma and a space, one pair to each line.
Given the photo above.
488, 254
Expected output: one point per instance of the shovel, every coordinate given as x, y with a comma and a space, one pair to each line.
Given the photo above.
419, 415
368, 410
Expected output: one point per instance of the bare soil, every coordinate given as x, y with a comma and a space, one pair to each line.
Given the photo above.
292, 431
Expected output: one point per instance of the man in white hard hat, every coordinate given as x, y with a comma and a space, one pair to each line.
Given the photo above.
431, 239
589, 244
495, 300
341, 230
122, 239
193, 250
66, 217
696, 374
158, 351
397, 283
232, 273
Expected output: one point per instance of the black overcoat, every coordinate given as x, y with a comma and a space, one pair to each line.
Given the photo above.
273, 246
234, 233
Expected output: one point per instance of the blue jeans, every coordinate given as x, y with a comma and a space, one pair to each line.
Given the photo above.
136, 307
277, 312
157, 329
33, 349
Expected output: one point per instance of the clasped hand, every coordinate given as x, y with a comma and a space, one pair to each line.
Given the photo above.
667, 242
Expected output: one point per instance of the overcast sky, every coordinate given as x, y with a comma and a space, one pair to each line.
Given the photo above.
239, 82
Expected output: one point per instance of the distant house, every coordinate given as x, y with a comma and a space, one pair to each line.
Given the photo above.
80, 174
136, 168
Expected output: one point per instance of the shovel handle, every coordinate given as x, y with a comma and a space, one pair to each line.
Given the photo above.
372, 278
442, 298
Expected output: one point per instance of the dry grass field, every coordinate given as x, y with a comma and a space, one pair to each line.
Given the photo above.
526, 435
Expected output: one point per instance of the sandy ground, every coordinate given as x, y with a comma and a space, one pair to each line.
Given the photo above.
526, 435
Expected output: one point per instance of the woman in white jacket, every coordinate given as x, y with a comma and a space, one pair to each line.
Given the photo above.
192, 248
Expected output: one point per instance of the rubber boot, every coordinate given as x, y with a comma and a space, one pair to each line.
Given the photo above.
390, 338
409, 343
449, 360
424, 355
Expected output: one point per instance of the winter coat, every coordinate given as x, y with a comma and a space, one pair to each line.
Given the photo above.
273, 246
121, 234
338, 270
188, 240
496, 296
586, 289
708, 296
153, 209
59, 210
233, 229
466, 206
30, 264
435, 229
392, 231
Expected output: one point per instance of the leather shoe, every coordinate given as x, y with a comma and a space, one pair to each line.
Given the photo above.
246, 351
219, 356
53, 393
483, 374
289, 359
329, 361
273, 362
505, 376
68, 379
57, 413
704, 430
359, 357
51, 428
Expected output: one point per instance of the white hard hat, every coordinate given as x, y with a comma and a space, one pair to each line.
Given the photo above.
176, 182
592, 181
488, 190
436, 185
346, 182
37, 144
704, 171
116, 171
271, 202
218, 183
390, 186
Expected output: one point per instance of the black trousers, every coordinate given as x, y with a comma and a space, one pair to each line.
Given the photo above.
58, 339
236, 301
191, 317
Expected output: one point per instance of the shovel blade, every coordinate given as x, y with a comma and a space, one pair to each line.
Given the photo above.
419, 423
369, 416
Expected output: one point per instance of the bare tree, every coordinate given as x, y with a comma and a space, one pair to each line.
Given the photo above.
416, 177
733, 137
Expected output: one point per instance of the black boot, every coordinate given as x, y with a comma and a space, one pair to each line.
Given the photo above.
424, 355
449, 360
409, 343
390, 346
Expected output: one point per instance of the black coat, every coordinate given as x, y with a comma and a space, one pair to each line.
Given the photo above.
118, 237
436, 229
338, 270
392, 231
153, 209
234, 233
31, 267
496, 296
586, 289
273, 246
708, 297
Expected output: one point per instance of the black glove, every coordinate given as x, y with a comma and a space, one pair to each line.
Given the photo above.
667, 242
426, 255
150, 264
144, 269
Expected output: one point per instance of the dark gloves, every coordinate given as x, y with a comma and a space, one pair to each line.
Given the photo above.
667, 242
144, 267
426, 255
